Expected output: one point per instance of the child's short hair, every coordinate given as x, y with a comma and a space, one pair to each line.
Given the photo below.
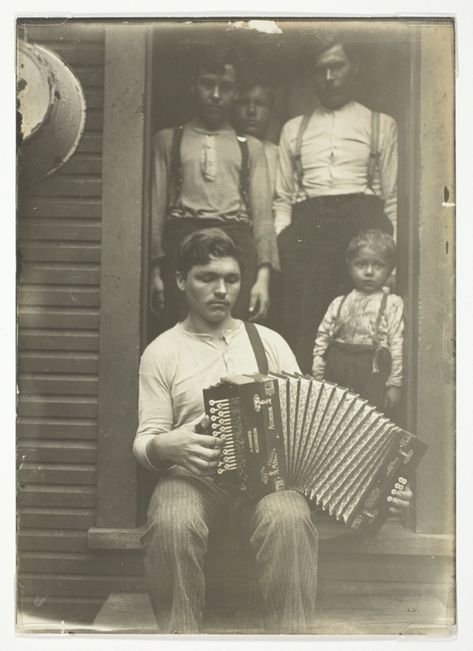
376, 239
199, 247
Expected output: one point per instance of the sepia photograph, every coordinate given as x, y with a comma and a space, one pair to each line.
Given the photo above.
236, 326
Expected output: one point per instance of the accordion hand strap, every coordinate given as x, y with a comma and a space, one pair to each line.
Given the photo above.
257, 345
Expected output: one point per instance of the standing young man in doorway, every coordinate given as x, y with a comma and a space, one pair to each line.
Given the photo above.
204, 176
252, 116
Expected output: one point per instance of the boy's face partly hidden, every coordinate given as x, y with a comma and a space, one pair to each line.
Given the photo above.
214, 94
369, 270
211, 289
252, 111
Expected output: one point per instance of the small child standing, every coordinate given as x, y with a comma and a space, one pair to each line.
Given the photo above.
360, 339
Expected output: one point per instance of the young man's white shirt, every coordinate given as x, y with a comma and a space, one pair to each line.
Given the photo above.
178, 365
335, 150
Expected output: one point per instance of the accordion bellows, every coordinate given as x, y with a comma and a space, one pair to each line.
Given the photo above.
284, 431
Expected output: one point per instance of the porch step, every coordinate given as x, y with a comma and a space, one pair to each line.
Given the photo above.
398, 582
333, 537
338, 614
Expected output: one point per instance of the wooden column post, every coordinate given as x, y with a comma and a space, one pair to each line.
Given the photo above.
125, 145
434, 421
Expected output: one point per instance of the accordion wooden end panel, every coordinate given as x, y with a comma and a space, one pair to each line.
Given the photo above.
293, 432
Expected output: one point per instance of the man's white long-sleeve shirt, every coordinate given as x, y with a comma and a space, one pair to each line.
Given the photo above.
335, 152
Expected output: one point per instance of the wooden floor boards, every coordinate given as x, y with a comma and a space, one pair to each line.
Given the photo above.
338, 615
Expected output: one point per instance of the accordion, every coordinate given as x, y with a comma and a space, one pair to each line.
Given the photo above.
294, 432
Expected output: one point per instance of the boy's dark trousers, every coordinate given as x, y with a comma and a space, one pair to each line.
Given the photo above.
312, 253
361, 368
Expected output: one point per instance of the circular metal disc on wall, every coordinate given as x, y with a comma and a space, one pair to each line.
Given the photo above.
51, 108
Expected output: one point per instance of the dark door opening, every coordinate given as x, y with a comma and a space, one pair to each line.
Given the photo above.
387, 60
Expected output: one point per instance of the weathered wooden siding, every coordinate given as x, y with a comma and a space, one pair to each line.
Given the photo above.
59, 231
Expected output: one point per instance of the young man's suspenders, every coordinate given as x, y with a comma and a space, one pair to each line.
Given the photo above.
372, 162
297, 154
245, 171
375, 152
177, 175
175, 168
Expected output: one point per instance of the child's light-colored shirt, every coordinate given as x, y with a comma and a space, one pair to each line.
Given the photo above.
356, 324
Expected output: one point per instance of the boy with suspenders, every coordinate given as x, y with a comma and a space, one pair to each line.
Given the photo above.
204, 175
337, 177
359, 343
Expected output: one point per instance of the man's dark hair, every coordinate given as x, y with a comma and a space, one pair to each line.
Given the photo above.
213, 58
326, 40
199, 247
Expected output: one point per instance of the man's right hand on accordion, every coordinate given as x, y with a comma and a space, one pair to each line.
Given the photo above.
189, 446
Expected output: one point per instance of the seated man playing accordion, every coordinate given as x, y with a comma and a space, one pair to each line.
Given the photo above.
173, 440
